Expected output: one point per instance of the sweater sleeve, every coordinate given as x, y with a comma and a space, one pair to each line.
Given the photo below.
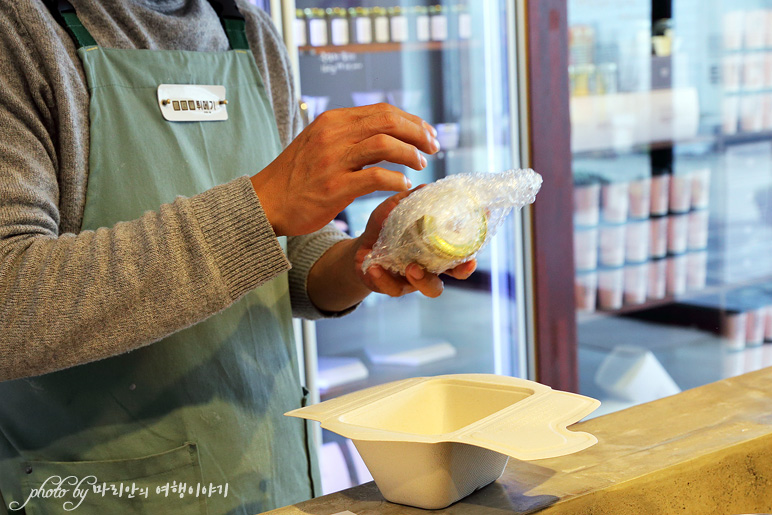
68, 298
274, 66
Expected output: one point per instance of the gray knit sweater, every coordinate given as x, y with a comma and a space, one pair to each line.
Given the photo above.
65, 297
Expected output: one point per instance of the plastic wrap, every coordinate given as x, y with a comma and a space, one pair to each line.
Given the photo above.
449, 221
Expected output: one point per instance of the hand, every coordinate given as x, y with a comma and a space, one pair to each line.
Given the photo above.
416, 278
323, 170
336, 281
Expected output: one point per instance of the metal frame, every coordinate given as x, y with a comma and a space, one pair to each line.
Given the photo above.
547, 145
525, 352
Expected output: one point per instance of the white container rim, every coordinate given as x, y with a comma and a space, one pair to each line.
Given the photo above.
533, 427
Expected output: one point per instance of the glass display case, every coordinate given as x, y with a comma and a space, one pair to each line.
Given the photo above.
671, 117
451, 63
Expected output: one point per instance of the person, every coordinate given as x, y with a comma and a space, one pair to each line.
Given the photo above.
149, 268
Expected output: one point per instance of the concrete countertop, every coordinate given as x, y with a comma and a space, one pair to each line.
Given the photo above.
706, 450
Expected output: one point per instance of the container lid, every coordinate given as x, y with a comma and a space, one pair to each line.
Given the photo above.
516, 417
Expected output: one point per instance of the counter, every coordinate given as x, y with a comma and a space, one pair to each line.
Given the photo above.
706, 450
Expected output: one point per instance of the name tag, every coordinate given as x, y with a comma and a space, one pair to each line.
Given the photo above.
192, 103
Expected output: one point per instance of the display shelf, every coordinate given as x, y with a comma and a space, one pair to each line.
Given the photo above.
411, 46
646, 147
743, 138
718, 141
583, 317
624, 120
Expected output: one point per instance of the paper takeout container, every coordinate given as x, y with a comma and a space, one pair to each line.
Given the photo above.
430, 441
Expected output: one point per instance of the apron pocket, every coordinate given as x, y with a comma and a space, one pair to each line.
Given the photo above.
159, 483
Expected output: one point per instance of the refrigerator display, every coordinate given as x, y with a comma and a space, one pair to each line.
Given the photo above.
453, 64
686, 122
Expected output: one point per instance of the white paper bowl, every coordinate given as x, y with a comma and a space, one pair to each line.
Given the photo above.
430, 476
429, 442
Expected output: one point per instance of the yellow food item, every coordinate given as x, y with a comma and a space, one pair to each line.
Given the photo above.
451, 239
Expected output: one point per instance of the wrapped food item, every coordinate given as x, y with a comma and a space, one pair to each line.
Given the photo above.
447, 222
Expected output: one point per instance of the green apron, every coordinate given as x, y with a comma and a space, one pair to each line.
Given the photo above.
204, 406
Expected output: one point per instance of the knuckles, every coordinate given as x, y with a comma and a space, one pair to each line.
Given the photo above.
389, 121
381, 143
376, 177
383, 106
326, 117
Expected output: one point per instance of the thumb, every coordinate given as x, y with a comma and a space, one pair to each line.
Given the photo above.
378, 217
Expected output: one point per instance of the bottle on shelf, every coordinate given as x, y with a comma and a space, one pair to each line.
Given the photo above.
400, 32
317, 27
586, 200
339, 26
697, 270
361, 25
606, 81
439, 23
586, 248
640, 198
658, 227
637, 241
464, 22
660, 191
635, 283
676, 266
615, 201
300, 29
733, 328
656, 289
610, 288
586, 291
422, 23
381, 25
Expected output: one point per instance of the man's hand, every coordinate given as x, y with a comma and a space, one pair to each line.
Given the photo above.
336, 282
416, 278
323, 170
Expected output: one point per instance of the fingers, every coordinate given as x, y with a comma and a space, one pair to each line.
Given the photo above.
415, 279
354, 124
375, 109
383, 147
373, 179
388, 284
464, 270
427, 283
387, 119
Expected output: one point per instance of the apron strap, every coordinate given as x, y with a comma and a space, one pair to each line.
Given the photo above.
232, 21
64, 13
